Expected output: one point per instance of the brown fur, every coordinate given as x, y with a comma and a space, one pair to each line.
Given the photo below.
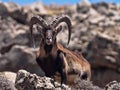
53, 57
75, 64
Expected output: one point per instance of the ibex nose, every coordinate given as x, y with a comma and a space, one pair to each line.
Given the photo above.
48, 38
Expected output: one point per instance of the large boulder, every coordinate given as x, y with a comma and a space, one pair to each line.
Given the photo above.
25, 81
28, 81
10, 76
7, 81
103, 54
7, 8
19, 57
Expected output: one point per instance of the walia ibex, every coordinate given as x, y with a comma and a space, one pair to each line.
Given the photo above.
52, 57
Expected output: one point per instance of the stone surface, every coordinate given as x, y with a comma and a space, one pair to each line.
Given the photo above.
19, 58
27, 81
10, 76
7, 81
85, 85
114, 85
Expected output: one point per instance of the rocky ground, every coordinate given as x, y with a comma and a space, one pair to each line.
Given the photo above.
95, 33
24, 80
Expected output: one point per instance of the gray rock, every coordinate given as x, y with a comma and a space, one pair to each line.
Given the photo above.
27, 81
85, 85
6, 84
20, 57
10, 76
3, 9
83, 7
80, 17
96, 19
38, 7
11, 7
116, 18
114, 85
102, 52
101, 7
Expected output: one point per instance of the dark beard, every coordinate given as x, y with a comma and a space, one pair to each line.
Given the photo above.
48, 48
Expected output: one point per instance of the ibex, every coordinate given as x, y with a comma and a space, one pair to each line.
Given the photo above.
52, 57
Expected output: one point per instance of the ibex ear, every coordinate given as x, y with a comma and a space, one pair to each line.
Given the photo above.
40, 30
58, 29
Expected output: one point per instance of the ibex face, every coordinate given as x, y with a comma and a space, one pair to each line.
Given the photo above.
49, 37
48, 34
50, 31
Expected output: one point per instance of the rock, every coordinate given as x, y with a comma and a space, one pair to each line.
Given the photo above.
20, 16
93, 12
103, 46
114, 85
104, 57
70, 10
85, 85
112, 6
7, 80
107, 23
27, 81
11, 7
13, 10
19, 57
7, 8
38, 7
3, 9
112, 13
11, 76
116, 18
12, 34
96, 19
8, 41
101, 8
5, 84
80, 17
86, 2
83, 7
103, 73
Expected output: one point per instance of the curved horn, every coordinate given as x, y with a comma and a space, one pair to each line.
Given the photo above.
60, 19
36, 20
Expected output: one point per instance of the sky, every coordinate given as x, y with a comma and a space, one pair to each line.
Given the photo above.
59, 2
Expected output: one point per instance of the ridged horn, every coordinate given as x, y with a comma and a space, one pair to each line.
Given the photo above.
60, 19
36, 20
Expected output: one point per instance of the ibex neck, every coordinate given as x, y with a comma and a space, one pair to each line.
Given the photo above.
48, 48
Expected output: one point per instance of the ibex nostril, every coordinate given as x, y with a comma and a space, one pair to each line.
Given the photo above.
48, 38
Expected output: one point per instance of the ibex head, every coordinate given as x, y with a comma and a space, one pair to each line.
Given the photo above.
49, 32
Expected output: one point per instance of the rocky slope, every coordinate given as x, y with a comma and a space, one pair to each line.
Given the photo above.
95, 33
24, 80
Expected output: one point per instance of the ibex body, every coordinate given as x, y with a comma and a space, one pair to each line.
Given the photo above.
53, 57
